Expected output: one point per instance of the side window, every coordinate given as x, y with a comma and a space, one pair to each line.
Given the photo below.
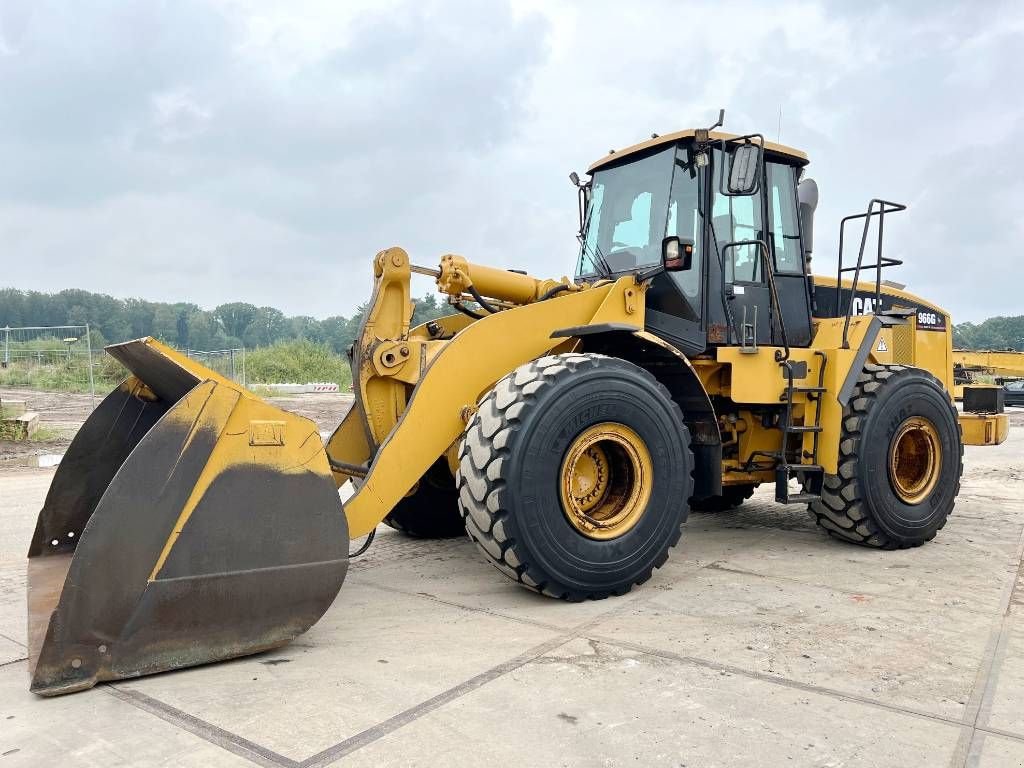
733, 219
783, 223
684, 221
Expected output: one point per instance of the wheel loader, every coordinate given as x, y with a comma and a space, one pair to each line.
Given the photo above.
568, 426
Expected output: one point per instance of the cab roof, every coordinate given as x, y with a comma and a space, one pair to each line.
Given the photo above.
688, 133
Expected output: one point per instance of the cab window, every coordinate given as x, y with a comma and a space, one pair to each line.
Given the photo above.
626, 215
685, 221
734, 219
783, 222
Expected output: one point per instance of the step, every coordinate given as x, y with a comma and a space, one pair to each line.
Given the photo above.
797, 498
12, 408
19, 427
805, 468
801, 428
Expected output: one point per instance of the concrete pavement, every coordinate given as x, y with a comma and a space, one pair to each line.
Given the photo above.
761, 642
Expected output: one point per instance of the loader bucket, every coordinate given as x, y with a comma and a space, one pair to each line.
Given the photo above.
188, 522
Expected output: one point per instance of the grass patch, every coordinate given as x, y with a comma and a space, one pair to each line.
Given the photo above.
261, 391
46, 434
298, 362
10, 432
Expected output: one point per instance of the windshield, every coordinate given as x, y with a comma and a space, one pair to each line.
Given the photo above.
626, 215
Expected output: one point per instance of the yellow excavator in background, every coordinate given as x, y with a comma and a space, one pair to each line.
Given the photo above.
567, 426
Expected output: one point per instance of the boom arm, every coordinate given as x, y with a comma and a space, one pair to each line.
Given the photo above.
991, 362
411, 418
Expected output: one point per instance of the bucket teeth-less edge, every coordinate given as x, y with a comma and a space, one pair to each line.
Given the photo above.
209, 528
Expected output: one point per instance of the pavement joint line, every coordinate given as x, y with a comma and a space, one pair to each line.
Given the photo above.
266, 757
974, 750
1001, 732
621, 602
16, 642
779, 680
463, 606
716, 566
210, 733
14, 661
797, 685
979, 705
386, 727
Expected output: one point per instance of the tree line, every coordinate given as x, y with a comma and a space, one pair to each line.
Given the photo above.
994, 333
186, 325
236, 324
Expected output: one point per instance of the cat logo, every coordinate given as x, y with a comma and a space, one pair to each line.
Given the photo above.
882, 347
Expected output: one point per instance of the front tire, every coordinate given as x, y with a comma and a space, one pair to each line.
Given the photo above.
900, 461
574, 475
432, 510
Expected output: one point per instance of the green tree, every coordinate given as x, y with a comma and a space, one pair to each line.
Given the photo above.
165, 323
307, 328
269, 325
994, 333
236, 317
188, 326
78, 315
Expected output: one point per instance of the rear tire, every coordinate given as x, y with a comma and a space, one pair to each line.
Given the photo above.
900, 461
432, 511
524, 489
732, 496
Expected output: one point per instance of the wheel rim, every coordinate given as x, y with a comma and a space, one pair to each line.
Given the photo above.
915, 456
605, 480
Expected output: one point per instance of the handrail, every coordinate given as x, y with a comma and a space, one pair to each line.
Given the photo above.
884, 207
773, 292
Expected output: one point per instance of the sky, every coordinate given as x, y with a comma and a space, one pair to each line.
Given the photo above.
221, 150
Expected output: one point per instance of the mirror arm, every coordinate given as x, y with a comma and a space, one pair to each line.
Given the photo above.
649, 274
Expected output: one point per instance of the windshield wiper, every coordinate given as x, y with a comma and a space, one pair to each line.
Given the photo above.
601, 262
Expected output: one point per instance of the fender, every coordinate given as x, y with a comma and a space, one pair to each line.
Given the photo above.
674, 370
460, 371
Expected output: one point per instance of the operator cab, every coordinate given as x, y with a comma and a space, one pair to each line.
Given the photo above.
714, 218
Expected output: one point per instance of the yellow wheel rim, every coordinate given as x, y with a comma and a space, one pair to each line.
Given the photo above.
915, 457
605, 480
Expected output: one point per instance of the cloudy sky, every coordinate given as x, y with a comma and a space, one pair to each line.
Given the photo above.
224, 150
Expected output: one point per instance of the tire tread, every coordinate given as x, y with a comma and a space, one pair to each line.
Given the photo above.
482, 498
842, 511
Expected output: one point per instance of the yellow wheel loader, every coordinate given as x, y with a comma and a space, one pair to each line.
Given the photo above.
568, 426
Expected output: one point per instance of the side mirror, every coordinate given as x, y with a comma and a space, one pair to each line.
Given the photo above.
807, 194
744, 165
677, 253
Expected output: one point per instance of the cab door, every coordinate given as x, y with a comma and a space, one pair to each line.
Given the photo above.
675, 300
736, 227
791, 282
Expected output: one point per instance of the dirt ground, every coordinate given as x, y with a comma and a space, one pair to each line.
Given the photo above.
62, 413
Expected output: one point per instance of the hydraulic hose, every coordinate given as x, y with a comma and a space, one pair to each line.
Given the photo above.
466, 311
480, 299
553, 292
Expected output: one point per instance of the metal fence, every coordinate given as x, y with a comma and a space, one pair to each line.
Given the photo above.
60, 358
56, 358
229, 363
